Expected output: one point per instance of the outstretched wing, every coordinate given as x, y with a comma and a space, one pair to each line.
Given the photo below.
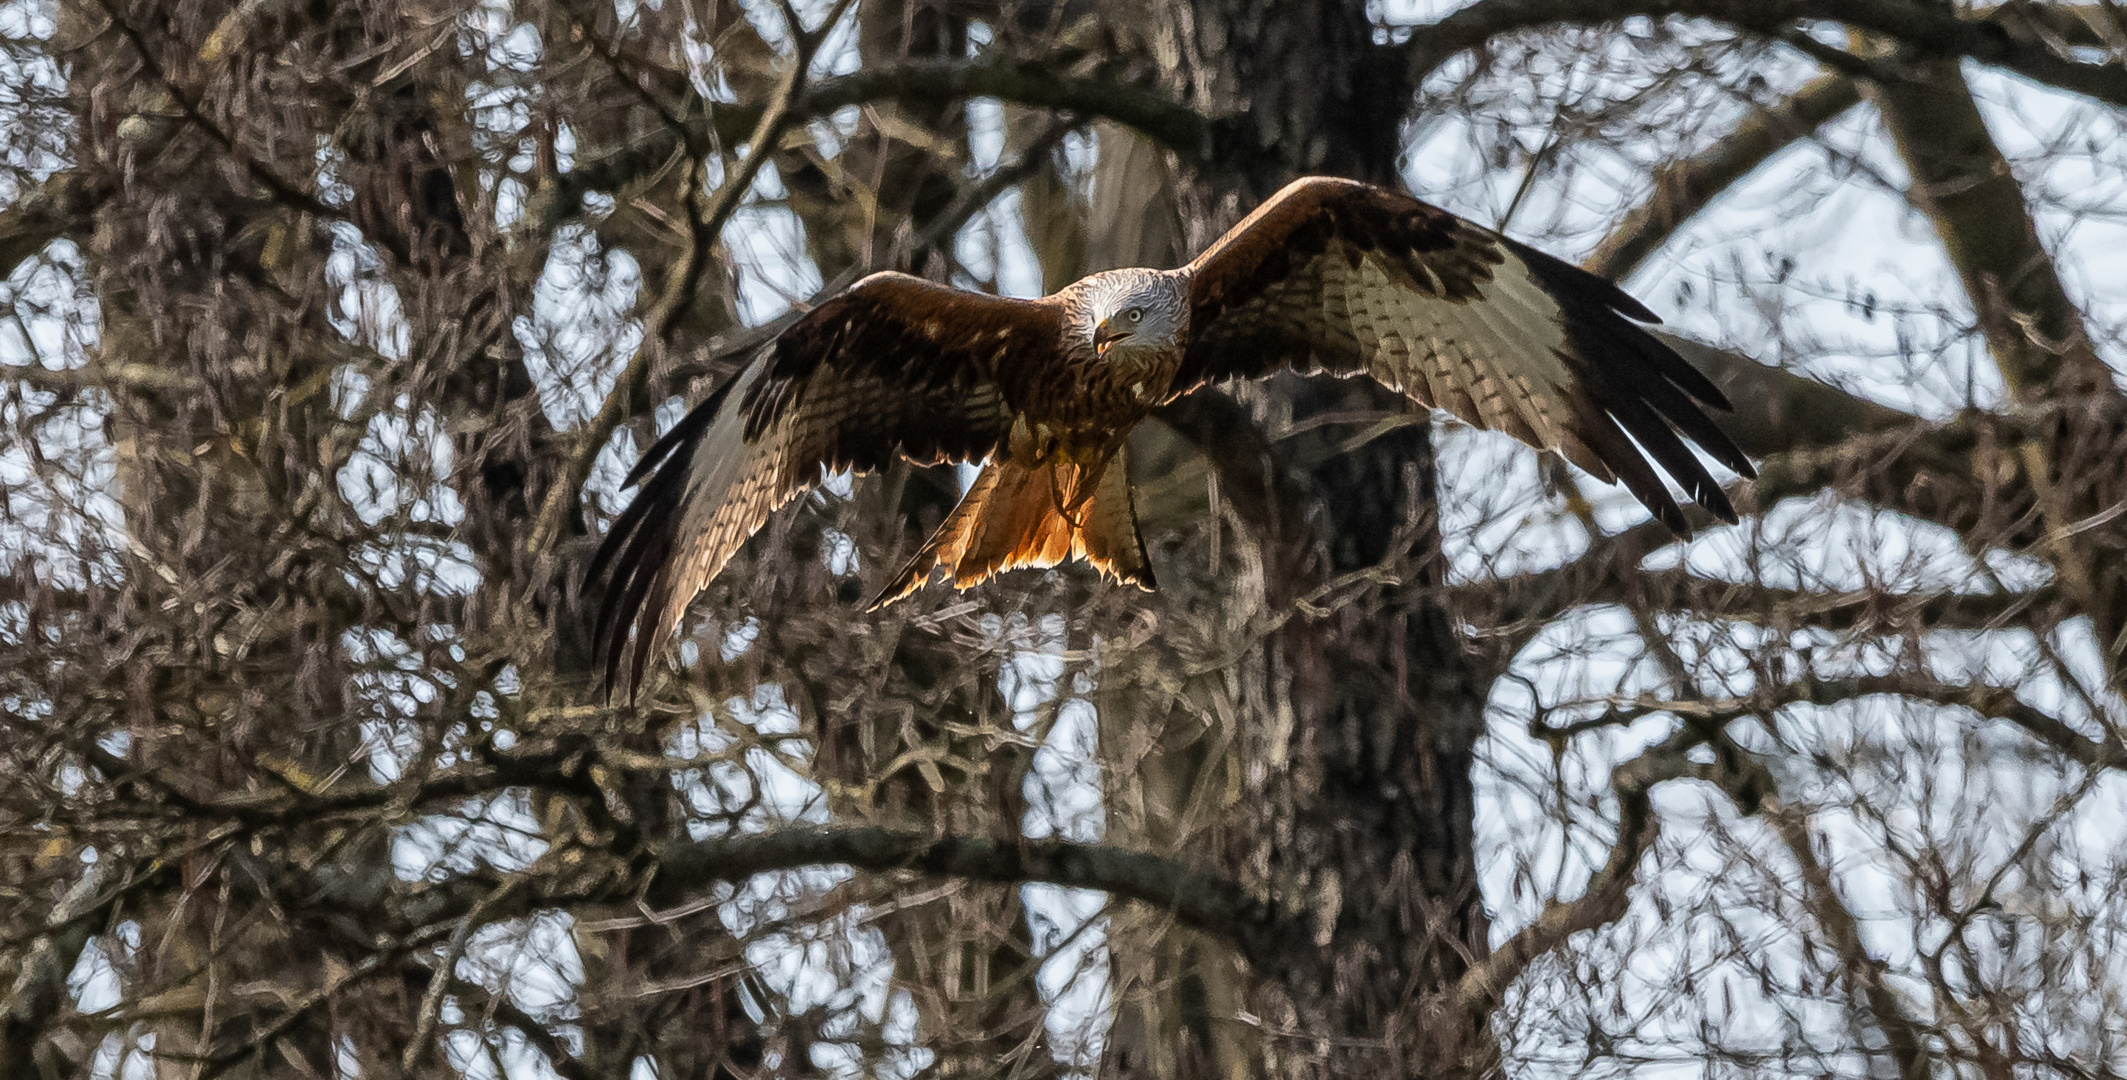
894, 366
1337, 276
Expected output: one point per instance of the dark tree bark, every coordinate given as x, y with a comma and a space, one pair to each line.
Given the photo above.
1370, 823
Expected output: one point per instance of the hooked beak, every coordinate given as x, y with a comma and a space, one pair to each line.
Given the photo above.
1107, 334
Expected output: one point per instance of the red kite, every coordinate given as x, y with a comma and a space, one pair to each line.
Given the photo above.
1328, 275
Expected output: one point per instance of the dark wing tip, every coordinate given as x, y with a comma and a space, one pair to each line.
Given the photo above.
632, 558
1645, 387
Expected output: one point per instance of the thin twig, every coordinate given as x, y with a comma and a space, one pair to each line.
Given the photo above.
432, 1001
1683, 188
1608, 892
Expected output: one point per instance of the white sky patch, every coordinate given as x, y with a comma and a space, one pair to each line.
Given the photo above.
985, 134
365, 308
757, 781
36, 128
838, 551
738, 638
1069, 927
498, 833
129, 1056
837, 54
703, 72
59, 474
767, 247
1495, 518
93, 983
395, 685
994, 249
831, 134
581, 331
488, 31
1063, 795
23, 20
439, 567
1412, 12
397, 478
401, 467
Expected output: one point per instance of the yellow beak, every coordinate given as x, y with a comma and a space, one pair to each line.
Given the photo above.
1108, 333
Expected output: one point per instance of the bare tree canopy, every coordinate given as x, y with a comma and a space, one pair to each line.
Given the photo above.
333, 331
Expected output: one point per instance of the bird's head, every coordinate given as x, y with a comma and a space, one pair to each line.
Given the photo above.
1136, 311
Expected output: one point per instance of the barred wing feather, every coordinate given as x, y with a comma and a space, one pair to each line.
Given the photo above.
1335, 276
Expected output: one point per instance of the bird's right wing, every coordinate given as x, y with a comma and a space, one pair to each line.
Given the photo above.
896, 366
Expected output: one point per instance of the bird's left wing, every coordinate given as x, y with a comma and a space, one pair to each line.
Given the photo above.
895, 366
1332, 275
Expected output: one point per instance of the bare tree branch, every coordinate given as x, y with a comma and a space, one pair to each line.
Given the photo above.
1930, 30
1964, 184
2034, 331
1754, 791
1683, 188
1784, 412
1536, 598
1607, 894
1211, 904
102, 376
1993, 701
61, 206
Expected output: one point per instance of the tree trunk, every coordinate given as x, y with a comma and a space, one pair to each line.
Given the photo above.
1361, 810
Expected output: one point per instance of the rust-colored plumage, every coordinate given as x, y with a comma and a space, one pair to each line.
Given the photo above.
1328, 275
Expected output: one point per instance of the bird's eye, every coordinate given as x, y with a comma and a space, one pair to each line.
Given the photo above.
1135, 314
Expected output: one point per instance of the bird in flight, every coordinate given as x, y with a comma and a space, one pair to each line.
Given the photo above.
1327, 276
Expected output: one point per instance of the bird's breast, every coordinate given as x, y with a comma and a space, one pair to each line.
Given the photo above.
1086, 413
1128, 384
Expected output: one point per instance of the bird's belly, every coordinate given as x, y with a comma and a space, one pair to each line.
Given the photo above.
1040, 440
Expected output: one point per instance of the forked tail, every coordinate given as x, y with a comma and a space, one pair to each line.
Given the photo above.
1015, 516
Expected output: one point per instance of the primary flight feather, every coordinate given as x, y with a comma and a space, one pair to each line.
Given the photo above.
1328, 275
